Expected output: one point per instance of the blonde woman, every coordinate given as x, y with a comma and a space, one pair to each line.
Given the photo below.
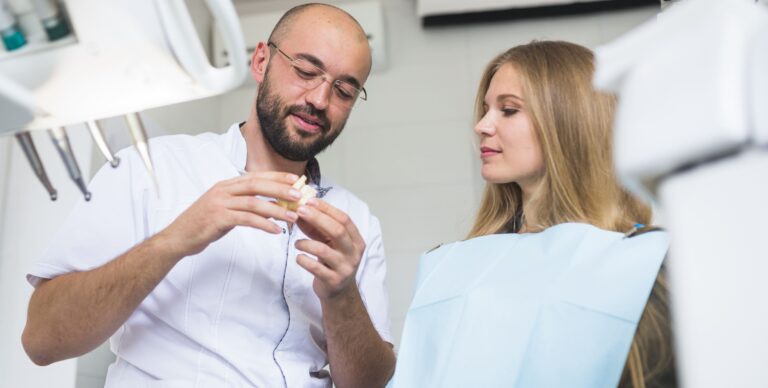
548, 289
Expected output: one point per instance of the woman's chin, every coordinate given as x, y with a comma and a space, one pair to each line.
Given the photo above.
496, 179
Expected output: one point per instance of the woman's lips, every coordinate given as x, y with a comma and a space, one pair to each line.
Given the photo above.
486, 152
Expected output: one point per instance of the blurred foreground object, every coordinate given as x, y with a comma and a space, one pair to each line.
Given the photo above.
692, 134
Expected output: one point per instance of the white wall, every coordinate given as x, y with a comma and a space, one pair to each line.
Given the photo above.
408, 151
29, 219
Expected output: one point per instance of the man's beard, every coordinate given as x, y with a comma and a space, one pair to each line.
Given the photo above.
272, 113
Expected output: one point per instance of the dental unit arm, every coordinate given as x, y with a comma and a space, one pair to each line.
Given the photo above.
124, 57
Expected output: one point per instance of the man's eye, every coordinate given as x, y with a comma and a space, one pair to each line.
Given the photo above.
304, 73
345, 93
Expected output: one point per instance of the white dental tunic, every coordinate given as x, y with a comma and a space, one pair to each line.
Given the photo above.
240, 314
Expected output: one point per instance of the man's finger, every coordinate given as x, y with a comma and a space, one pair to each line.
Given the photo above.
264, 187
330, 229
339, 216
316, 268
261, 207
325, 254
254, 221
309, 230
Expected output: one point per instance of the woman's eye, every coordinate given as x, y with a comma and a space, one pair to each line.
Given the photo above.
509, 111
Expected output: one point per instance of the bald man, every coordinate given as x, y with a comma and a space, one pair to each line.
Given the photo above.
209, 282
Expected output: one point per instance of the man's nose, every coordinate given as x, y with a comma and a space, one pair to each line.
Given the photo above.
320, 96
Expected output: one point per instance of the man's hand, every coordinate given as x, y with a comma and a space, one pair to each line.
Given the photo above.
356, 352
336, 243
231, 203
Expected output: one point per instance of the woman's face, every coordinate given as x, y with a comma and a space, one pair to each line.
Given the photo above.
509, 148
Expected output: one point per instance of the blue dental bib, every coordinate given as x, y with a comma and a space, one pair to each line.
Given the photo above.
557, 308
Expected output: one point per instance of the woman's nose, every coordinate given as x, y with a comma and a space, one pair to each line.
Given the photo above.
485, 126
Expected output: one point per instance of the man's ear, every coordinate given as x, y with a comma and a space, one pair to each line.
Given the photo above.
259, 62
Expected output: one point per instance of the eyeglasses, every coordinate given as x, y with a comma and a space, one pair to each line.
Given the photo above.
310, 76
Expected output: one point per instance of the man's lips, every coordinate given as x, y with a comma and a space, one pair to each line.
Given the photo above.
488, 151
308, 123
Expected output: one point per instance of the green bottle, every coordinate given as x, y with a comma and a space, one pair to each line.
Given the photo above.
52, 18
10, 32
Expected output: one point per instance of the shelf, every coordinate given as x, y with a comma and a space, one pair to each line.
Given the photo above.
34, 47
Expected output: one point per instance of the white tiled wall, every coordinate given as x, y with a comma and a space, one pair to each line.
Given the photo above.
409, 150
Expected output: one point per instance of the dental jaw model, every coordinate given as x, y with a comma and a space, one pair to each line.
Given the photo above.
307, 193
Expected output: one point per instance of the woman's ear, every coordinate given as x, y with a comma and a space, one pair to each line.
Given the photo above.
259, 62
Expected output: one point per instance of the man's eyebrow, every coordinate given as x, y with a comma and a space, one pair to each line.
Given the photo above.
317, 62
312, 59
351, 80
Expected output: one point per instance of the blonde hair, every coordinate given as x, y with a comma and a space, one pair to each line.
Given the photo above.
651, 359
573, 124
